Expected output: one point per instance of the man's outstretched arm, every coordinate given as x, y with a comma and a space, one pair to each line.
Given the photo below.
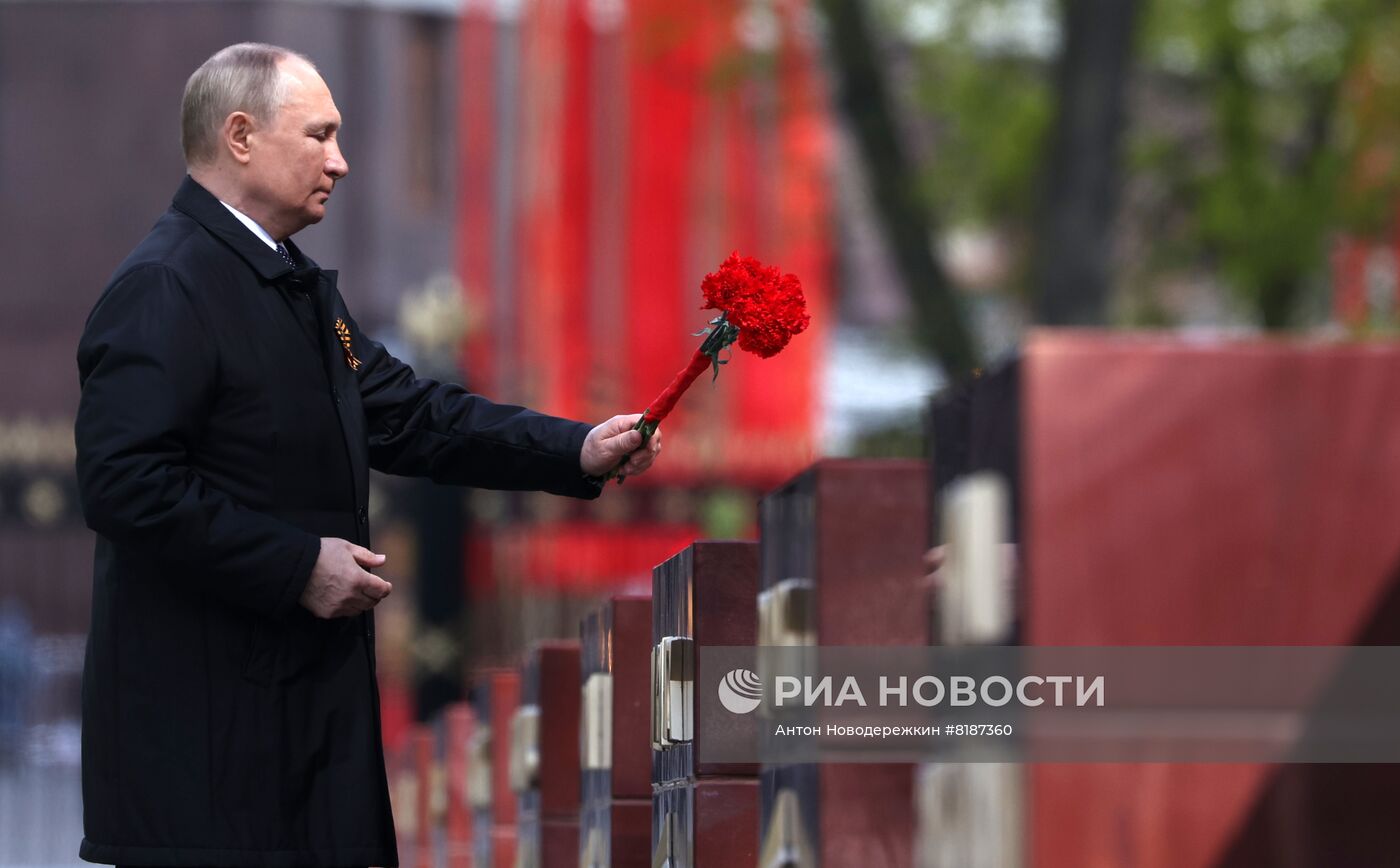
421, 427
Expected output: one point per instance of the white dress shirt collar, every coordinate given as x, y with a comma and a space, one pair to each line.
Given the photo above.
251, 224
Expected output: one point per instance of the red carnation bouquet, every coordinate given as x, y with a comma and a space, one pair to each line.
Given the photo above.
760, 307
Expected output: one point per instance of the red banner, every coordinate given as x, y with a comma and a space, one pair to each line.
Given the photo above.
615, 154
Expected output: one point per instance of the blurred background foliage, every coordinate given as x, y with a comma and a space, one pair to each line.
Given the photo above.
1184, 162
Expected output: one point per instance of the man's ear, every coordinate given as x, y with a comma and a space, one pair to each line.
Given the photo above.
238, 129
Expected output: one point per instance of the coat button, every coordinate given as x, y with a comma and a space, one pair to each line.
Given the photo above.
362, 515
335, 395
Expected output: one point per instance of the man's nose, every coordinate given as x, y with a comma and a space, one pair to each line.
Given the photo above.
336, 166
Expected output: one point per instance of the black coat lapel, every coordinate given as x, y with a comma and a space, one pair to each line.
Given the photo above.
341, 363
199, 204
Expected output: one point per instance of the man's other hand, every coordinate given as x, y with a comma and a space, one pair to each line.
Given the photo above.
339, 585
933, 562
614, 440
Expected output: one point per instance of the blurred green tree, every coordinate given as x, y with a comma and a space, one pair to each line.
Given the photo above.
1251, 132
1263, 189
910, 225
1072, 239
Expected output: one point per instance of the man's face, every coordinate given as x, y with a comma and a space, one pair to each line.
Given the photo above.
295, 159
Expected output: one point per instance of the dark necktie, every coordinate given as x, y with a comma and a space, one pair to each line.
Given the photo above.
300, 297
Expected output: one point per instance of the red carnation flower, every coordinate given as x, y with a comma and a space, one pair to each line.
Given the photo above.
760, 307
766, 305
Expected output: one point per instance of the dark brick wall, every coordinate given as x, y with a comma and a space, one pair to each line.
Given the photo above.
89, 156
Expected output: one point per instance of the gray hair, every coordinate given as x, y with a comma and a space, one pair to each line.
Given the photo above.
245, 77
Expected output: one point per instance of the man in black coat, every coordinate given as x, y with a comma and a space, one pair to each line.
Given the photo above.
231, 409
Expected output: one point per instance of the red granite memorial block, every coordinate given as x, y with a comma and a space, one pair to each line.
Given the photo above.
459, 729
618, 837
722, 821
423, 744
867, 815
630, 643
1215, 491
559, 841
703, 811
972, 814
504, 699
855, 531
553, 674
503, 846
709, 821
1230, 492
615, 816
703, 597
630, 833
595, 761
545, 756
842, 548
480, 769
838, 814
